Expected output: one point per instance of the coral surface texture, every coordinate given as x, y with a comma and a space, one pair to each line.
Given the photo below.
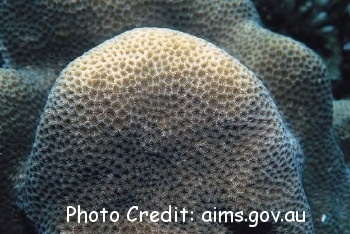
172, 104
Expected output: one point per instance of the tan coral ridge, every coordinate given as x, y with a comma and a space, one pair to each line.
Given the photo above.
155, 117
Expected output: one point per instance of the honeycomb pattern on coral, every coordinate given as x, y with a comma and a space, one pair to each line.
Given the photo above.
22, 97
88, 23
156, 116
298, 82
294, 75
341, 124
299, 87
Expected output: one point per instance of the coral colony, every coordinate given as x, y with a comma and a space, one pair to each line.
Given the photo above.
165, 116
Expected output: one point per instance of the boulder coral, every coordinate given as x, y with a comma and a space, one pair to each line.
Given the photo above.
57, 31
298, 82
322, 25
155, 117
22, 97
